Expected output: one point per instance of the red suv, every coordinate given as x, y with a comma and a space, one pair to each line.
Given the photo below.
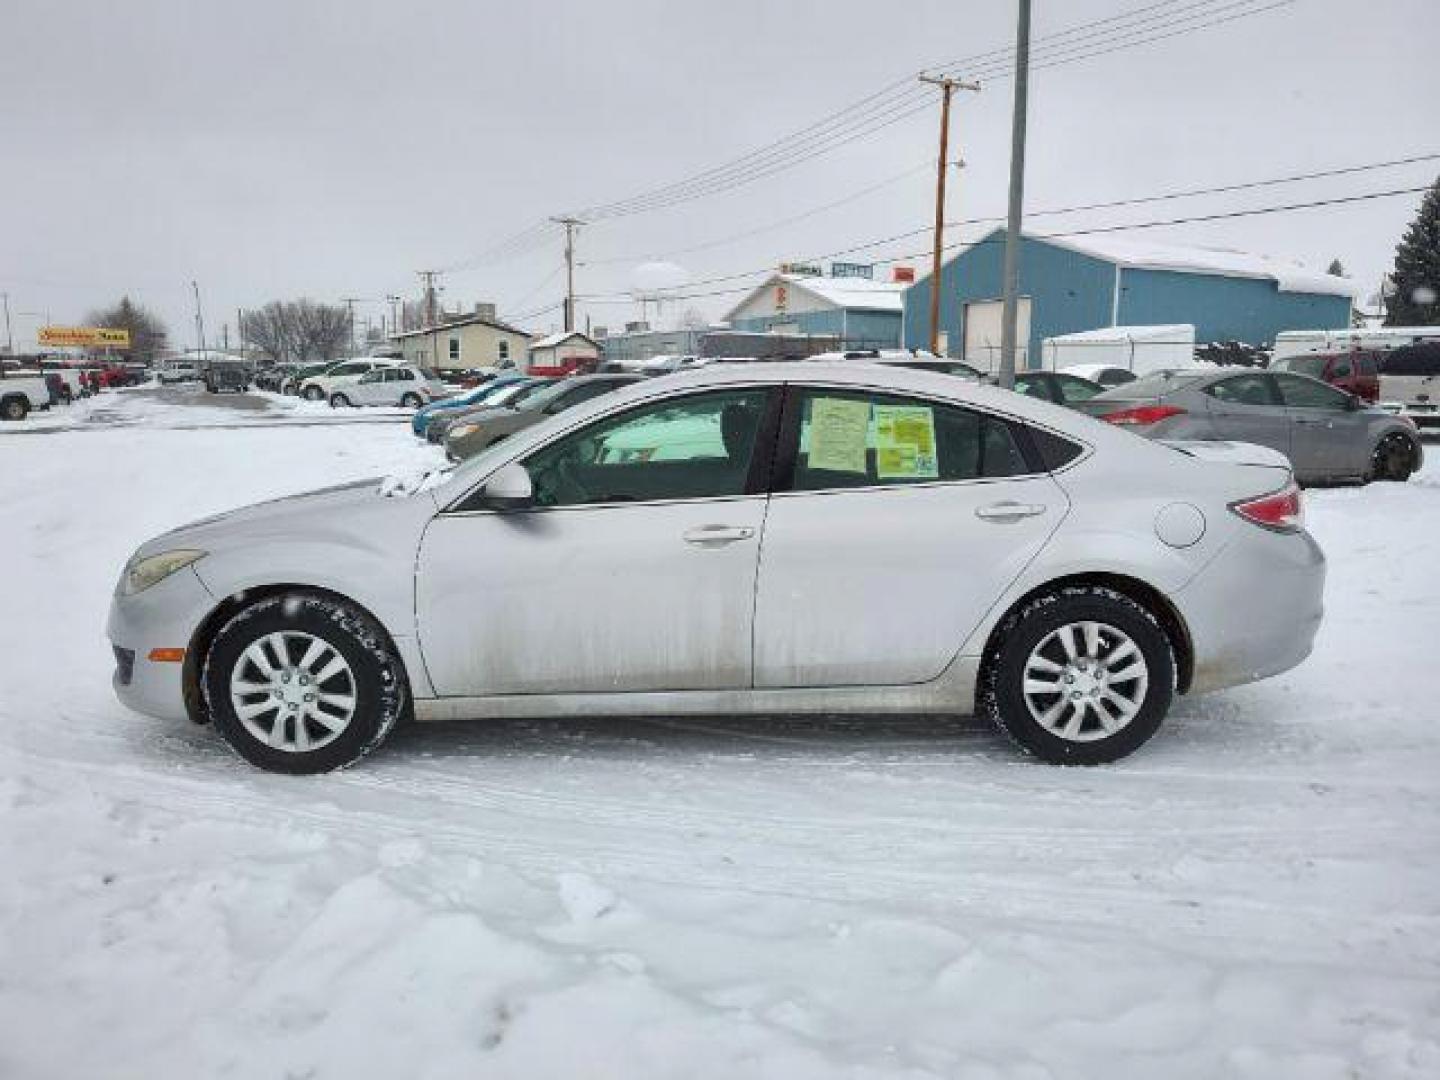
1356, 372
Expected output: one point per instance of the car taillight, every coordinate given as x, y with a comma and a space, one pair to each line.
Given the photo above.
1280, 511
1143, 416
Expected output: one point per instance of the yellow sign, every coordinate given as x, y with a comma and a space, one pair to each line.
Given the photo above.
905, 443
90, 337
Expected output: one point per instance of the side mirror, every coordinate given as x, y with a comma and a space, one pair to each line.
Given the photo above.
508, 488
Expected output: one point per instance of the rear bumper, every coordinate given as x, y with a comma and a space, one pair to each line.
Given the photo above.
162, 617
1255, 609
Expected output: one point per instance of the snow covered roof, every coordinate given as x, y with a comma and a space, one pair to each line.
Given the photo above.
855, 293
1289, 275
1176, 332
549, 341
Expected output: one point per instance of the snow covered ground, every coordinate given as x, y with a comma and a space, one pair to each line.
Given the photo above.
1255, 895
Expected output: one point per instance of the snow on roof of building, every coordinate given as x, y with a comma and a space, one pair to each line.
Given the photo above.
1289, 275
549, 341
851, 292
1176, 332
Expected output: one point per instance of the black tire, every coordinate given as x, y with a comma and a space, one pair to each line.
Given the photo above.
1003, 700
14, 408
313, 393
411, 401
379, 684
1393, 458
339, 401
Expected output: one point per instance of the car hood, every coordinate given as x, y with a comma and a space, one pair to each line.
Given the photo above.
315, 514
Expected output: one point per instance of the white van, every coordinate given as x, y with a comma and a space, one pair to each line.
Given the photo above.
1410, 383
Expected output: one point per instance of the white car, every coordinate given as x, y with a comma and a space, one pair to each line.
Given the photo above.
762, 538
20, 395
400, 384
346, 373
1107, 375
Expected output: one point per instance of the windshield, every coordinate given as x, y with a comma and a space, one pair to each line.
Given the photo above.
1157, 384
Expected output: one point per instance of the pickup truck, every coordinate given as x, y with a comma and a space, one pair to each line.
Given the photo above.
20, 394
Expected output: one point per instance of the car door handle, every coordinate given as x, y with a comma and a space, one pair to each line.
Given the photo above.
1312, 422
1008, 511
715, 535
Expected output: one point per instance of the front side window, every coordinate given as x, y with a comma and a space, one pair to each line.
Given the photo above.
857, 439
1301, 393
696, 447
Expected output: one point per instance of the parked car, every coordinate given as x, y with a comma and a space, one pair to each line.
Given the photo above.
293, 381
178, 371
1327, 434
508, 397
470, 435
273, 378
1356, 373
767, 538
1410, 382
420, 422
919, 359
222, 377
20, 395
319, 386
400, 384
1056, 386
1107, 375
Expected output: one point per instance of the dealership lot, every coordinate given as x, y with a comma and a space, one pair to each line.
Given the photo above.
784, 897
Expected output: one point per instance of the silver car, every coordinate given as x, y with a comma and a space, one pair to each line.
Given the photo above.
766, 538
1327, 434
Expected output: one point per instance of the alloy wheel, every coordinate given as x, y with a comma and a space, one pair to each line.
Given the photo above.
293, 691
1085, 681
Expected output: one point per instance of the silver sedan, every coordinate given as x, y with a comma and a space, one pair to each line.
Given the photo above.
1327, 434
785, 538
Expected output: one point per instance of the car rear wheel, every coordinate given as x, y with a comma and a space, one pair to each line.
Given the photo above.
14, 408
411, 401
1080, 676
1393, 459
303, 684
339, 401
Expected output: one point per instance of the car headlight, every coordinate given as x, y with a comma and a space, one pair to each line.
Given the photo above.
462, 431
141, 574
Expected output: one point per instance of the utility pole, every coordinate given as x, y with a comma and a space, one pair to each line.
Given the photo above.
571, 224
350, 302
429, 276
1011, 312
9, 337
199, 317
394, 302
947, 86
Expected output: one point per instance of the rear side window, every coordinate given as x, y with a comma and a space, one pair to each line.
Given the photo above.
1055, 452
854, 439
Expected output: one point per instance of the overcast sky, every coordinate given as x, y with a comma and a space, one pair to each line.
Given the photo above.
278, 149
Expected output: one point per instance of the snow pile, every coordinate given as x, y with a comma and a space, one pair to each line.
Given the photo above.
1253, 896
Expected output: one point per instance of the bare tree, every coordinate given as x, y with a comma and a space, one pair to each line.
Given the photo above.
298, 331
147, 332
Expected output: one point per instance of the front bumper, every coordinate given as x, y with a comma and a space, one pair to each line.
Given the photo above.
164, 616
1255, 609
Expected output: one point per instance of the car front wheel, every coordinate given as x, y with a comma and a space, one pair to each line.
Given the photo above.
303, 684
1080, 676
411, 401
1393, 459
339, 401
313, 393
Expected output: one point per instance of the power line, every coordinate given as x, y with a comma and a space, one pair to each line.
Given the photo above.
883, 112
1061, 235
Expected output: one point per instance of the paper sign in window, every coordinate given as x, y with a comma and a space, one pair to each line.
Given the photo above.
837, 434
905, 443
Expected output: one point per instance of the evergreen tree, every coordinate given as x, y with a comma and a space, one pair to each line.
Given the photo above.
147, 332
1416, 300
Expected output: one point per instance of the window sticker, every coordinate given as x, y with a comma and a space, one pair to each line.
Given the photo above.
905, 443
838, 428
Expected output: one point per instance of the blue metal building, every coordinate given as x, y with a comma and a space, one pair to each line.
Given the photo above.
860, 312
1090, 282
